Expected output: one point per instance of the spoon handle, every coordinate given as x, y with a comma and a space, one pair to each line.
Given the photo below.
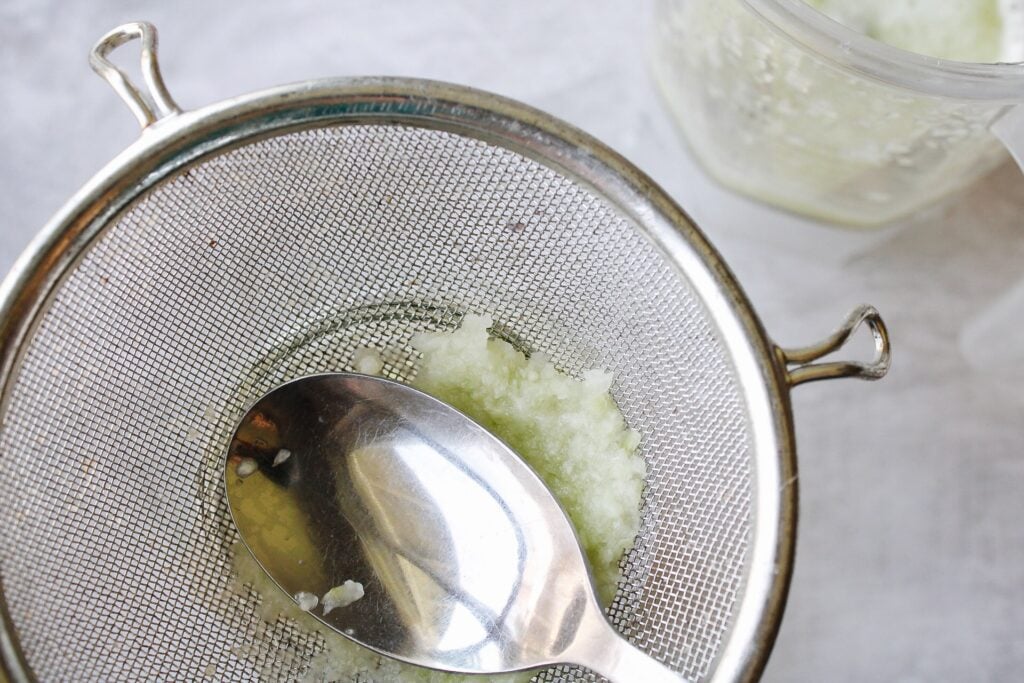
609, 654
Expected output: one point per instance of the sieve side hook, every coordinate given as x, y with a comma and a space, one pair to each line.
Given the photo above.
806, 370
148, 107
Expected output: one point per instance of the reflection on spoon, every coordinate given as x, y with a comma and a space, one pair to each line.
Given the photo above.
468, 562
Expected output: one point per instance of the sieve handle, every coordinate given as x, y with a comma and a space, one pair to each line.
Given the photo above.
806, 370
148, 107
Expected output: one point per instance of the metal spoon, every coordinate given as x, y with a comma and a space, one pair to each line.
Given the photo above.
467, 561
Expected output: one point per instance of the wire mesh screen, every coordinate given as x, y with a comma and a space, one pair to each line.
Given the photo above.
279, 259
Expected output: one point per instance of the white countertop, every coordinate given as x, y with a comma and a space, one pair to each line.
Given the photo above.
910, 558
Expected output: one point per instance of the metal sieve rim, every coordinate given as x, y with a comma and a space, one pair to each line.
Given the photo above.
172, 140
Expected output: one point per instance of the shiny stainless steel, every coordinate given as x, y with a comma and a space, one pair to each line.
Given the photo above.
147, 109
808, 371
468, 562
163, 298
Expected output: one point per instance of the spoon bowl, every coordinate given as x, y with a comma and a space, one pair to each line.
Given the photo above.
467, 561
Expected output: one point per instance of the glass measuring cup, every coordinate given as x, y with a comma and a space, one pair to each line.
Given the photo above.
780, 102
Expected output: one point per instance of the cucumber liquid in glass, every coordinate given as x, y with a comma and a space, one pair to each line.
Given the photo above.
856, 112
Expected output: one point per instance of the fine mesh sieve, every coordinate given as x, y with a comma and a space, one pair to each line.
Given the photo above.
264, 238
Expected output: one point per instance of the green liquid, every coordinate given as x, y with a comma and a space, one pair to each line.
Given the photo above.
961, 30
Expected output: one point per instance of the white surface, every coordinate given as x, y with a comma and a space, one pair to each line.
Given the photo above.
910, 559
999, 331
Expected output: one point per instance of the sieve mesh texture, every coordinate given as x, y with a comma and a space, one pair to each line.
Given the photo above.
278, 259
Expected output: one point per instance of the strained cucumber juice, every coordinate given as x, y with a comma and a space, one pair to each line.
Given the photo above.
780, 103
962, 30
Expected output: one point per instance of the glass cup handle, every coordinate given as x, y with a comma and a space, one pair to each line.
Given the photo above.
1009, 128
994, 339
